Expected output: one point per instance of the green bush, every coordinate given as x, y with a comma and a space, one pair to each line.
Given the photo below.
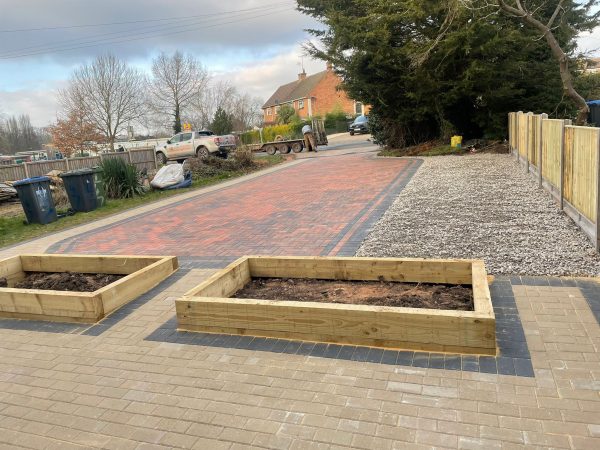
211, 166
121, 180
332, 119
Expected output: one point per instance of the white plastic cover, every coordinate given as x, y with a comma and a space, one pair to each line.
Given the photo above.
168, 176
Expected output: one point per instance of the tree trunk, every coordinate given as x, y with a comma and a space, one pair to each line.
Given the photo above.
559, 55
177, 123
567, 80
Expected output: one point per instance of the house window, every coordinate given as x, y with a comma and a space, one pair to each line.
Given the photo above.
358, 106
276, 109
300, 104
269, 112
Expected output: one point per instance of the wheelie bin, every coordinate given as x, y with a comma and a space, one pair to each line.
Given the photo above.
100, 188
36, 199
81, 190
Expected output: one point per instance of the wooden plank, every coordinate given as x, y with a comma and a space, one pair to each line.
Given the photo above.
528, 119
206, 309
10, 268
597, 175
540, 132
370, 269
583, 168
353, 324
122, 265
562, 167
481, 291
225, 282
132, 286
79, 306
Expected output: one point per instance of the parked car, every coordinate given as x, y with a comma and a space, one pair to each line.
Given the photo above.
195, 143
359, 126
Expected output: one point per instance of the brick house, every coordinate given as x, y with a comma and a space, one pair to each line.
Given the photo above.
310, 96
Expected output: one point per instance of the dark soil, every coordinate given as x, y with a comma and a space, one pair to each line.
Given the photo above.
67, 281
3, 282
380, 293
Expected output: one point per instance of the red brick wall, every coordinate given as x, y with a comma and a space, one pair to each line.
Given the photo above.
327, 98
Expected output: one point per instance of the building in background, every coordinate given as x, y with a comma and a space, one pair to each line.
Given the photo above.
314, 95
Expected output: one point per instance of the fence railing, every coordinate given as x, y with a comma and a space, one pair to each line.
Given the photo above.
565, 160
143, 158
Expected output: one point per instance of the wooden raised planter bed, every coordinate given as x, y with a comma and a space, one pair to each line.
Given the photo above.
142, 274
208, 308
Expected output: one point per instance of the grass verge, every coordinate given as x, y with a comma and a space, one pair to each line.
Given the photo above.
14, 229
438, 150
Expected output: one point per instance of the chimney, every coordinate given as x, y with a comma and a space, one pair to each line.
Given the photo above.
329, 66
302, 76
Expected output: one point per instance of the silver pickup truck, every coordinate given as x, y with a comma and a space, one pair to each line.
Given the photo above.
195, 143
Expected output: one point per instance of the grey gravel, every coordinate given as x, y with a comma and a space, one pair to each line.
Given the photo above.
485, 207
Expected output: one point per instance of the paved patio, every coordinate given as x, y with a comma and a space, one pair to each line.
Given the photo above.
133, 381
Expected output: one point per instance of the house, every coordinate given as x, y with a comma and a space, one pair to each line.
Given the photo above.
592, 65
314, 95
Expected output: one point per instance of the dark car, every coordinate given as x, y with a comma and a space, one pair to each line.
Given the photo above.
359, 126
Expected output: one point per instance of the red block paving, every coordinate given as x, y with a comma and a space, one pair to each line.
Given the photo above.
308, 209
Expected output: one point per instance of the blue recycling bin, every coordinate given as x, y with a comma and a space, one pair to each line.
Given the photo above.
81, 189
36, 199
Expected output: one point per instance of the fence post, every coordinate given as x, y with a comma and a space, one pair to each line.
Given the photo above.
518, 122
510, 124
26, 167
597, 241
529, 120
129, 156
539, 149
562, 165
68, 164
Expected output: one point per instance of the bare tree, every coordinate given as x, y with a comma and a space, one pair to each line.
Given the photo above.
244, 110
532, 16
209, 100
108, 92
177, 80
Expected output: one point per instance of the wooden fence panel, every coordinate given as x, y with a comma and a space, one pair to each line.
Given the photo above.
40, 168
123, 155
522, 134
551, 149
85, 162
143, 158
12, 172
581, 169
533, 132
568, 165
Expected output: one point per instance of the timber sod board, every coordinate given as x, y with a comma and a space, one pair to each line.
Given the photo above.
142, 273
208, 308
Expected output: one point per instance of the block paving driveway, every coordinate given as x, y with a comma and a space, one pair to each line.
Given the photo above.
134, 382
312, 208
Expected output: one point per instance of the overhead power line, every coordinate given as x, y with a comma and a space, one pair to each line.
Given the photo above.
125, 40
92, 25
99, 38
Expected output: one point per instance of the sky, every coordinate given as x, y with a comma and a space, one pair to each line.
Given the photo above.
255, 44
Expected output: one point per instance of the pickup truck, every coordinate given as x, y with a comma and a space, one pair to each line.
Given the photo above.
195, 143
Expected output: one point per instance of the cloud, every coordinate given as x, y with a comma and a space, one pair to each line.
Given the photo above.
40, 104
204, 27
262, 78
589, 43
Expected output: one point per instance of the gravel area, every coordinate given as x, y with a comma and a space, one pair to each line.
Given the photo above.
485, 207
